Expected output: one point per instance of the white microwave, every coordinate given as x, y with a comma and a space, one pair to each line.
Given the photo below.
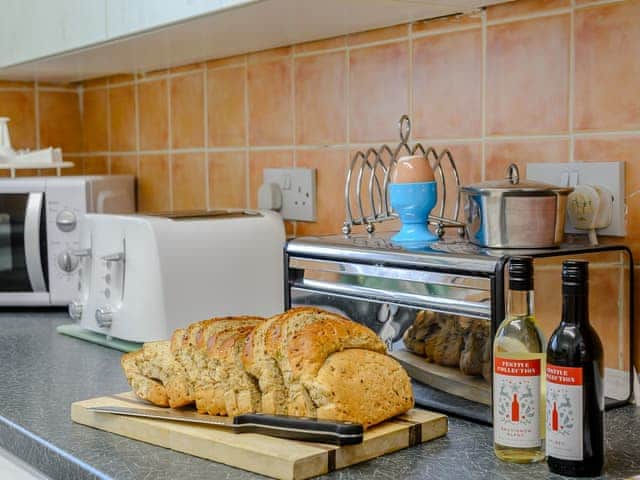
40, 219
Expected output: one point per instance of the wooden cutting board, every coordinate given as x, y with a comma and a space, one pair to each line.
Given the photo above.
274, 457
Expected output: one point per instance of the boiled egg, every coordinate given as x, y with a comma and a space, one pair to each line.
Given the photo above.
412, 169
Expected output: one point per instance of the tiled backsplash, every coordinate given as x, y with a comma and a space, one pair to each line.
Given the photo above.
42, 116
532, 80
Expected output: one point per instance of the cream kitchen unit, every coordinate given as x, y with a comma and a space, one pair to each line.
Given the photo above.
71, 40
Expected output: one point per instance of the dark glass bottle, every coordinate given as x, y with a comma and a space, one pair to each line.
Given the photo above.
575, 383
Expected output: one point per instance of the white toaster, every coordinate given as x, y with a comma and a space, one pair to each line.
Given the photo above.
143, 276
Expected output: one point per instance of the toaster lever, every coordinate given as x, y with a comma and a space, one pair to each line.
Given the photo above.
82, 252
114, 257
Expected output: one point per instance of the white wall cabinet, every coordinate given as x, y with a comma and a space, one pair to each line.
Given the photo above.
32, 29
125, 17
71, 40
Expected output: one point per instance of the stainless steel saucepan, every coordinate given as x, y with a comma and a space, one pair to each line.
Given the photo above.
512, 213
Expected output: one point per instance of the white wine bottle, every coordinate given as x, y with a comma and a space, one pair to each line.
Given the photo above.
518, 363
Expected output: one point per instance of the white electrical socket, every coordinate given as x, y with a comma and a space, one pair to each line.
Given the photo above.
298, 187
606, 174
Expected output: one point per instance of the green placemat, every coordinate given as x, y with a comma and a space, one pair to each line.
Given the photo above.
75, 330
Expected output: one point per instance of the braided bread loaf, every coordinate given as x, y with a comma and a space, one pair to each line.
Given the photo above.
304, 362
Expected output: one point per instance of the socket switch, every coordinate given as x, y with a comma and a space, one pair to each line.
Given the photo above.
607, 174
298, 187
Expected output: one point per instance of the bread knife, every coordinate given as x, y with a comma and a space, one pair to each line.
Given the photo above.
282, 426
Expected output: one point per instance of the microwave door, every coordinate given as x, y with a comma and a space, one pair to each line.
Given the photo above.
21, 268
32, 242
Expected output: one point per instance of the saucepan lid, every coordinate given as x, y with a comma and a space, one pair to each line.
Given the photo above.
514, 184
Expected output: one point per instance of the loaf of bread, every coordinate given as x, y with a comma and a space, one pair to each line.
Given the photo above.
451, 341
304, 362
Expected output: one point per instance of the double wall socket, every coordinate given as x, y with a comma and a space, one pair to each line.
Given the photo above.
606, 174
298, 187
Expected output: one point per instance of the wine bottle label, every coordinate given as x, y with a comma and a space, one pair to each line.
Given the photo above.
564, 412
516, 402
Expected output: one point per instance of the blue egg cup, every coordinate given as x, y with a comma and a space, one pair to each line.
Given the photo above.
413, 202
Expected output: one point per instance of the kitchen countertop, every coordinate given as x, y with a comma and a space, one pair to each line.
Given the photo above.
43, 372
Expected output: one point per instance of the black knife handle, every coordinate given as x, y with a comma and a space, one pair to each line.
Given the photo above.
299, 428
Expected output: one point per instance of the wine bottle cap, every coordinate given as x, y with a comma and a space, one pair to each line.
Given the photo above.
521, 273
575, 276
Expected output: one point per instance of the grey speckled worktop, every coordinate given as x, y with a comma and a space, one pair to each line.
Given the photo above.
42, 373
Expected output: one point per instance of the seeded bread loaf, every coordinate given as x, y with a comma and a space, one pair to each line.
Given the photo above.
305, 362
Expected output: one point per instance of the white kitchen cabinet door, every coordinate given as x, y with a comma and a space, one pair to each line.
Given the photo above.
32, 29
125, 17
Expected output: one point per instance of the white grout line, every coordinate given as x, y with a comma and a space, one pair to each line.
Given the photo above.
292, 64
205, 94
483, 99
572, 63
247, 159
36, 100
170, 141
410, 75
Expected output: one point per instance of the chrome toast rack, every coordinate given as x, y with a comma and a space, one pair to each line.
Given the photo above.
373, 167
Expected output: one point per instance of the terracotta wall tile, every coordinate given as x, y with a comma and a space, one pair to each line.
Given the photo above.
15, 84
20, 108
153, 115
619, 149
226, 106
331, 172
378, 84
270, 103
455, 21
96, 166
528, 76
123, 165
95, 117
152, 74
77, 169
269, 55
187, 111
318, 45
607, 70
379, 34
27, 172
122, 115
189, 67
320, 82
60, 123
604, 314
259, 160
95, 82
153, 184
227, 179
121, 78
524, 7
228, 61
498, 155
468, 160
188, 181
447, 85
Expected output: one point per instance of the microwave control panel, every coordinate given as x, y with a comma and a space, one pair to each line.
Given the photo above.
66, 205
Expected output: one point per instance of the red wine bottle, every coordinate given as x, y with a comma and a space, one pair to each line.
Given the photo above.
575, 383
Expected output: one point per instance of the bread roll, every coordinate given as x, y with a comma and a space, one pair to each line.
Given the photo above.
306, 361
